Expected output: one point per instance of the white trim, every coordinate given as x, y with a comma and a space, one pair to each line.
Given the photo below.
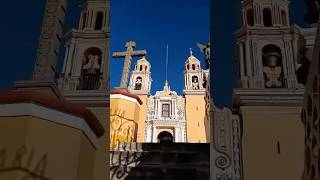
120, 96
24, 109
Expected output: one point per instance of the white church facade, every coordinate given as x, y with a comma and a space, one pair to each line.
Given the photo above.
165, 113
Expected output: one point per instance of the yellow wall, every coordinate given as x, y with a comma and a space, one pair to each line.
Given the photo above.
51, 150
142, 118
195, 113
263, 127
124, 117
101, 153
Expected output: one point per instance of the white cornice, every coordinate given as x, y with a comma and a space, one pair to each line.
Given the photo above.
120, 96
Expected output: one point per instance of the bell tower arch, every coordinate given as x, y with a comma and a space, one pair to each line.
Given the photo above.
85, 65
265, 24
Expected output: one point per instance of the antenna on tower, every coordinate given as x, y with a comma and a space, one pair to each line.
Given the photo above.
167, 59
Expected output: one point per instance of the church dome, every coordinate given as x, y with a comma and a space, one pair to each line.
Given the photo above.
192, 63
143, 64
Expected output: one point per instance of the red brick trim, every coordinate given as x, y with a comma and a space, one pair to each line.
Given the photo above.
126, 93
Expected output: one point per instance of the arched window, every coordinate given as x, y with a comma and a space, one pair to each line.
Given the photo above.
195, 83
250, 20
99, 21
91, 68
188, 67
145, 68
284, 18
193, 67
267, 17
272, 67
138, 83
84, 19
140, 68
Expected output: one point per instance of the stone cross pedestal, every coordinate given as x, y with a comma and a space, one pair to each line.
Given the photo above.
127, 55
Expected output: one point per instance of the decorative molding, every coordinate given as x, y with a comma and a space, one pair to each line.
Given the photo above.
120, 96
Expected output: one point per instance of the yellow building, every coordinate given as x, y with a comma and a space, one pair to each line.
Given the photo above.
33, 128
55, 128
180, 118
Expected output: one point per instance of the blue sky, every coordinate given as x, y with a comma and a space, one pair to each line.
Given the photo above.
154, 23
20, 31
151, 23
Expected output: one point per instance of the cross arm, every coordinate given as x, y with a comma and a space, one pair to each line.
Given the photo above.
129, 53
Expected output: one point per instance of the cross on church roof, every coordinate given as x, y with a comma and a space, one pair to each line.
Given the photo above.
127, 55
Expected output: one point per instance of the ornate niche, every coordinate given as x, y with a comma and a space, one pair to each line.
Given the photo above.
195, 83
272, 67
91, 69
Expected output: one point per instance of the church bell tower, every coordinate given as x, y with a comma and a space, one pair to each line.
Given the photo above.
85, 65
140, 85
84, 78
267, 45
194, 93
269, 97
140, 80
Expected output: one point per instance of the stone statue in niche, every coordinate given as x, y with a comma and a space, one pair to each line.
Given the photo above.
138, 83
195, 83
272, 70
92, 65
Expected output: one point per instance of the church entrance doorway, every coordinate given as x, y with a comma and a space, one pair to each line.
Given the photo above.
165, 137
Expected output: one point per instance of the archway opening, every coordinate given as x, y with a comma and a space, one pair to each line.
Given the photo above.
272, 67
91, 69
99, 21
138, 83
250, 19
195, 83
267, 17
284, 18
84, 20
165, 137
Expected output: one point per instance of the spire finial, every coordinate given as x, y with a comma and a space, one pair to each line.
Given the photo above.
191, 54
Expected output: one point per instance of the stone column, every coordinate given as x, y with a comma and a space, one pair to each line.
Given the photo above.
49, 43
248, 63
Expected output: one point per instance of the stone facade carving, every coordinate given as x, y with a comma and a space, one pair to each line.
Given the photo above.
173, 121
226, 145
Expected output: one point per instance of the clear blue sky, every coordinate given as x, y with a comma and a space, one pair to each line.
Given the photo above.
151, 23
154, 23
